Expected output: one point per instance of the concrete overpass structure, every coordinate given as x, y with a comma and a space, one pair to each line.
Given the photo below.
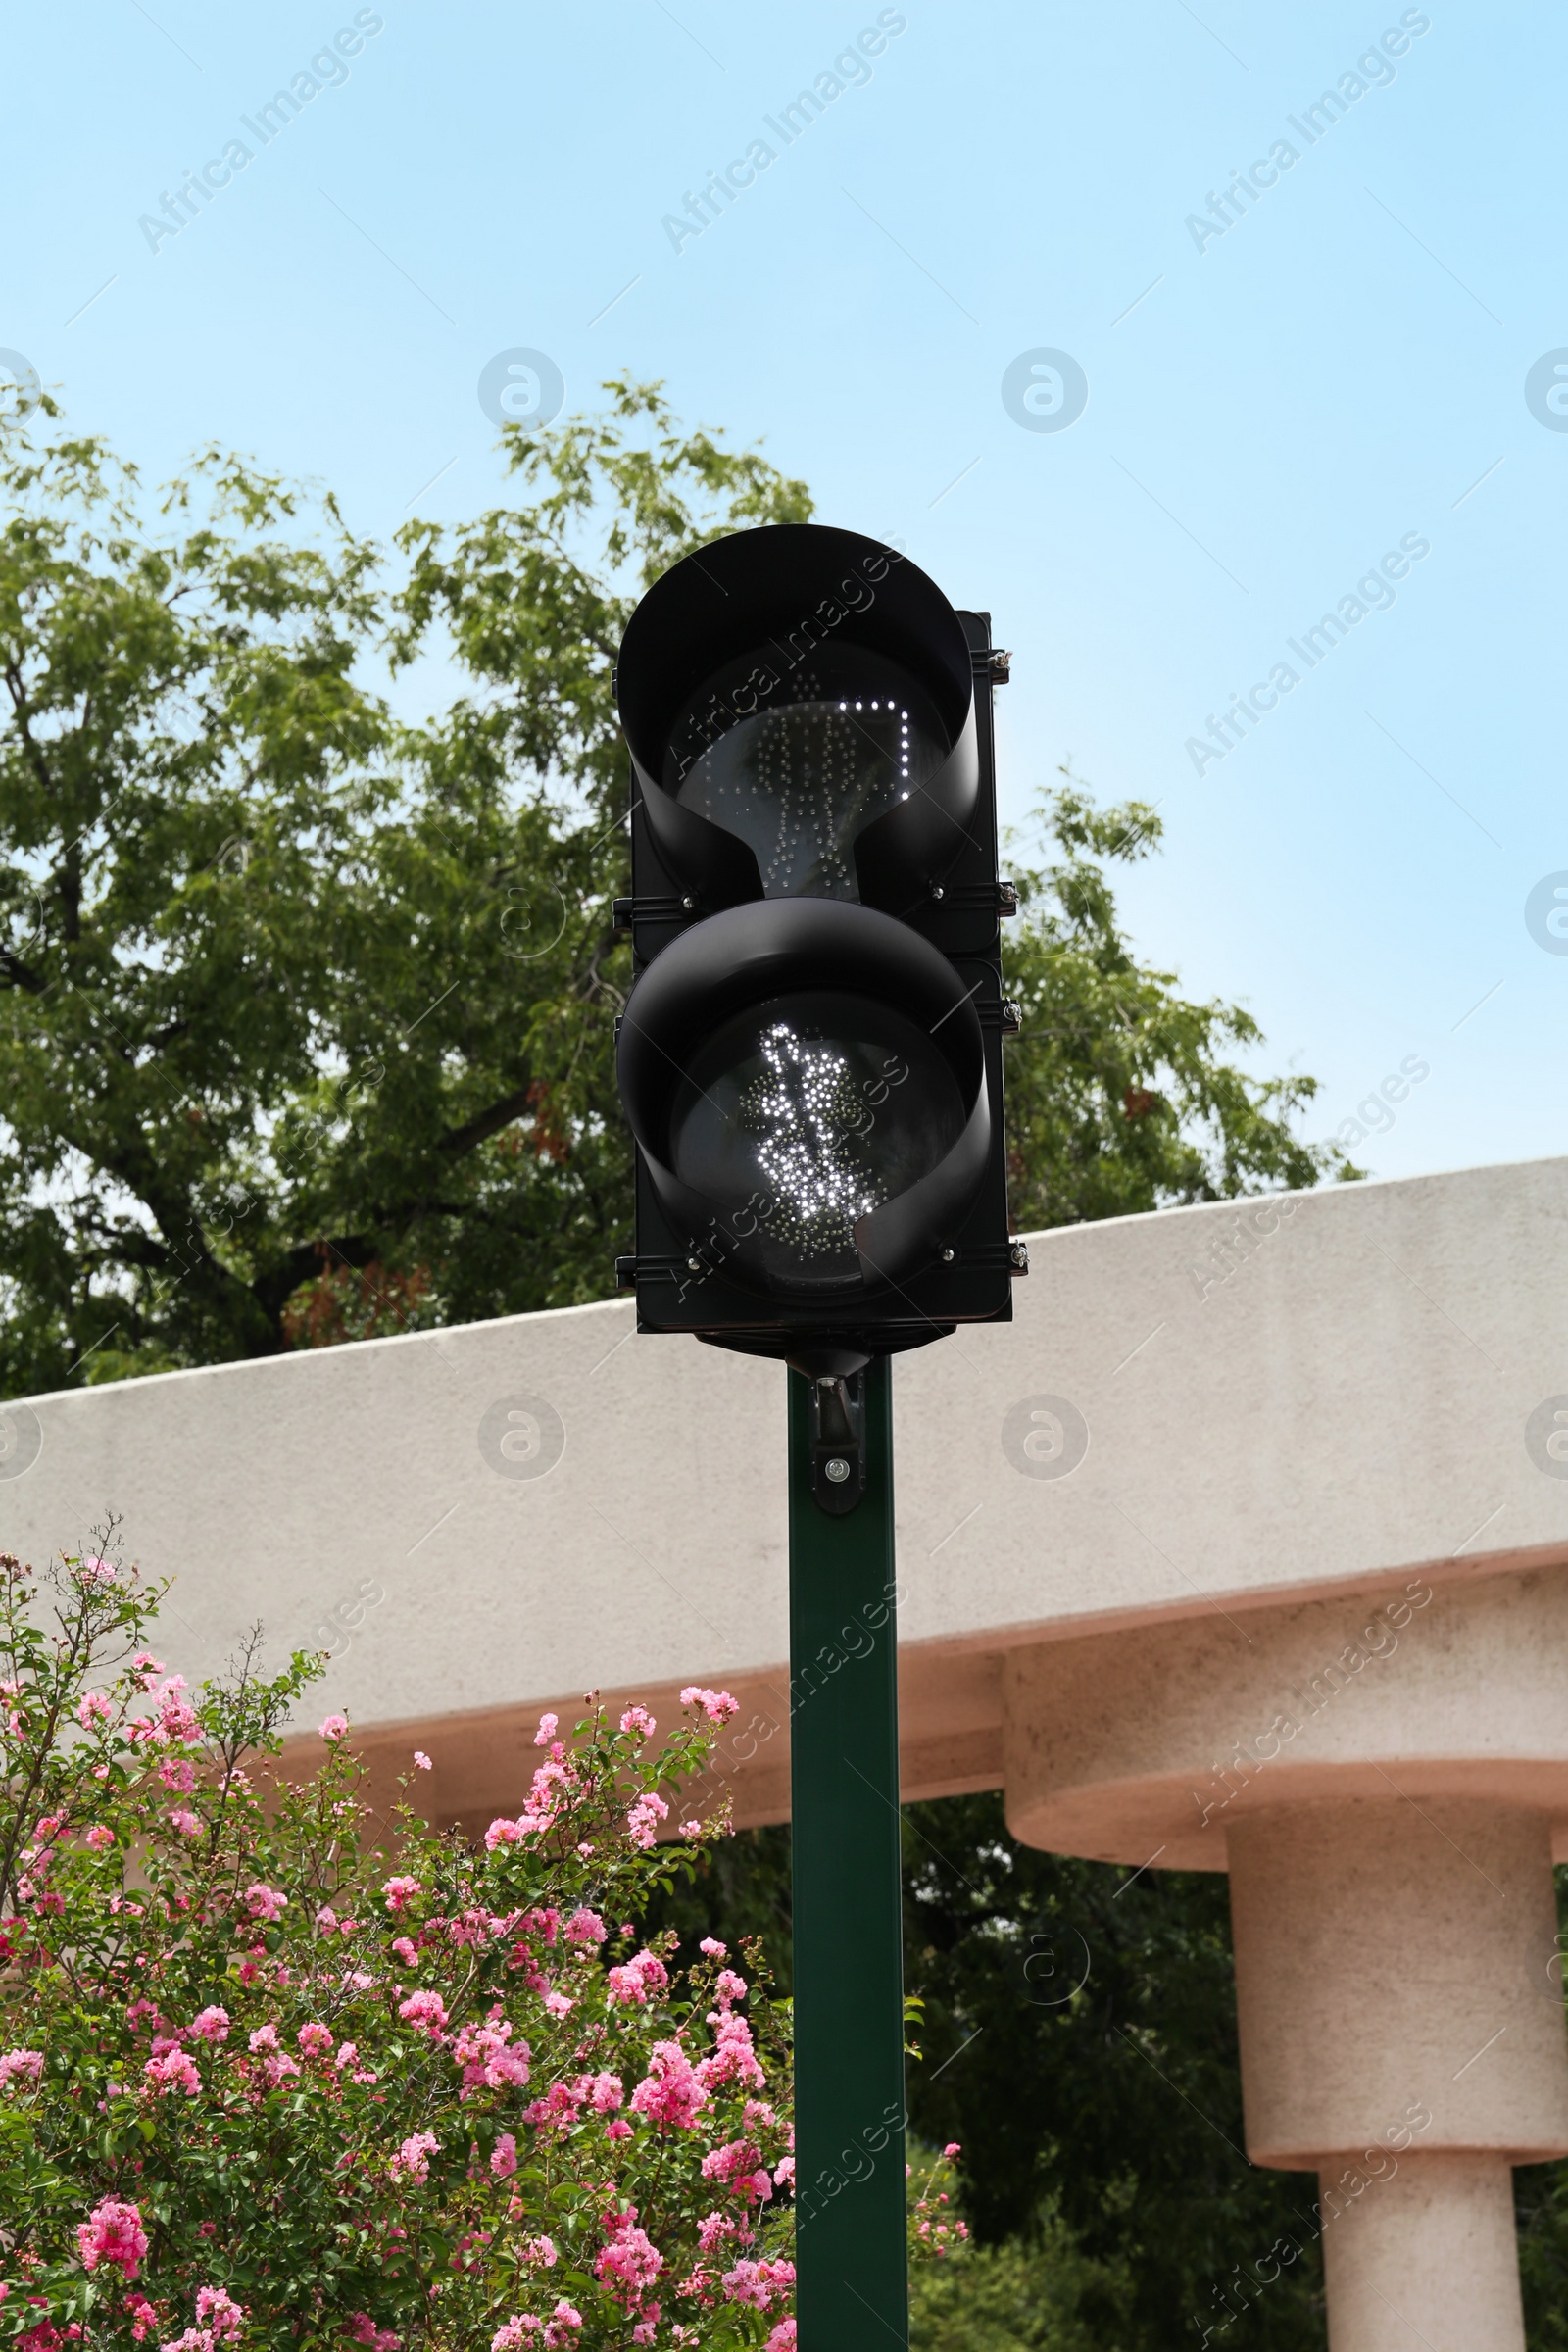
1245, 1547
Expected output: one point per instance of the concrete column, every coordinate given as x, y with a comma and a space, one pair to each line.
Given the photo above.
1403, 2036
1383, 1776
1426, 2258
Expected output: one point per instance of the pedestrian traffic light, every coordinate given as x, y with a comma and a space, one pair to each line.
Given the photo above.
810, 1058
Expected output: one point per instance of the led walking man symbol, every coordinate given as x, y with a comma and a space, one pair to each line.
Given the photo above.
806, 1111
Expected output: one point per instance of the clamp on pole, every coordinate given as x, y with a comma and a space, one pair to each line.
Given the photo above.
838, 1443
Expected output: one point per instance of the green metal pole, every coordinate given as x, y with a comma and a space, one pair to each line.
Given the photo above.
851, 2288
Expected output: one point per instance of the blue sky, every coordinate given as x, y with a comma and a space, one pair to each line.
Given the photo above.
1273, 405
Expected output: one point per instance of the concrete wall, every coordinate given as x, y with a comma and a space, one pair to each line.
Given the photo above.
1204, 1409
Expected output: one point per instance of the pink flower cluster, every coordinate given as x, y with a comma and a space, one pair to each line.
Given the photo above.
363, 2330
503, 1831
630, 2263
112, 2234
171, 2070
938, 2232
173, 1721
427, 2010
560, 2105
760, 2283
733, 2058
740, 2165
524, 2327
413, 2159
642, 1822
671, 2093
717, 1705
25, 2066
551, 1788
219, 2320
277, 2066
634, 1980
714, 2227
486, 2061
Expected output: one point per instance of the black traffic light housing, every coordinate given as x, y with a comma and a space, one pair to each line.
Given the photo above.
811, 1059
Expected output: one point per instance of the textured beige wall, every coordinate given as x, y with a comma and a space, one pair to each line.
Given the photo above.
1242, 1403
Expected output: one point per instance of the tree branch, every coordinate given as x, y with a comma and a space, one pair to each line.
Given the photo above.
22, 975
476, 1131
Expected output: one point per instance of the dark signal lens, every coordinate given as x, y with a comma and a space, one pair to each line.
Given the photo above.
801, 1116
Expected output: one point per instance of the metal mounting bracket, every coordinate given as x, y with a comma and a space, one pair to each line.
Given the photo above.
838, 1443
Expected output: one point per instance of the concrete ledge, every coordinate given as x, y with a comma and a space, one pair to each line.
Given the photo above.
1196, 1413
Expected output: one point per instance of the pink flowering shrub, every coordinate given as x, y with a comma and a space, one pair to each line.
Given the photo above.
266, 2081
935, 2229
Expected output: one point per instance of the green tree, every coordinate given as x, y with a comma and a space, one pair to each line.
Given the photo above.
306, 1016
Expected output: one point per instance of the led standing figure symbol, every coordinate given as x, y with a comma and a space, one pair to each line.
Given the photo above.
805, 1112
799, 783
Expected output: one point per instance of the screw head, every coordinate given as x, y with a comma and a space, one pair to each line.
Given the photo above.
937, 891
688, 904
694, 1265
836, 1468
946, 1257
